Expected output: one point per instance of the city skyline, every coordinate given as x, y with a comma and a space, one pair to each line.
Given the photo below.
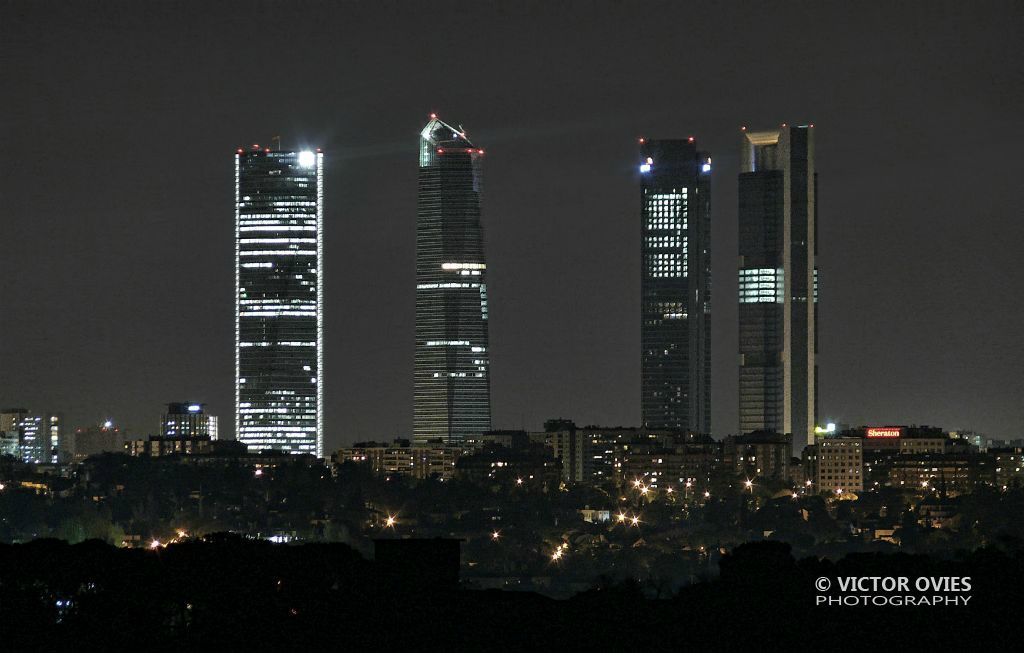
561, 214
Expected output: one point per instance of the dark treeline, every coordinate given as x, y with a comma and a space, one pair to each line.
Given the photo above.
227, 592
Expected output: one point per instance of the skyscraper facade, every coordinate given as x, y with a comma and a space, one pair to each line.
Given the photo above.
452, 395
778, 290
279, 300
675, 286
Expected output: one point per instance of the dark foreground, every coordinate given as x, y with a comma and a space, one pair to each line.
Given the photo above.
230, 593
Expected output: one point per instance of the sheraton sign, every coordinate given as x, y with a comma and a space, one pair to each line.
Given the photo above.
884, 432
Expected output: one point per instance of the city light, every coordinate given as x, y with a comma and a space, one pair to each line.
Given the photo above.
391, 521
307, 159
495, 535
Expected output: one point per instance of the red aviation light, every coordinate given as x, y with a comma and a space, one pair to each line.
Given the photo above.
240, 150
433, 116
480, 151
641, 140
689, 139
743, 128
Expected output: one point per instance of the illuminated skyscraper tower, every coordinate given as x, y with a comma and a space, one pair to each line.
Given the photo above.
279, 299
675, 285
778, 289
452, 372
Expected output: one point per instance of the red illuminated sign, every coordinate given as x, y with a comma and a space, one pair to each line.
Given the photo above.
884, 432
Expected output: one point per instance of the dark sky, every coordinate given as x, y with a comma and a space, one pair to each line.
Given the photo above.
119, 122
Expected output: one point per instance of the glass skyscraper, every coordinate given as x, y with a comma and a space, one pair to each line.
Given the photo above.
452, 372
279, 204
675, 286
778, 290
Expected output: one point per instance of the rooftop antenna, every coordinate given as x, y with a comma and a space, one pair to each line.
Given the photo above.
278, 139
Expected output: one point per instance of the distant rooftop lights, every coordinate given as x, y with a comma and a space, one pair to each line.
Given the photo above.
645, 168
194, 408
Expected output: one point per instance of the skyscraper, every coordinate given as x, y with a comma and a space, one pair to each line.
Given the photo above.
279, 300
675, 285
778, 290
452, 371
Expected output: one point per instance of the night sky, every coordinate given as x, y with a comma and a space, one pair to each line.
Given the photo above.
119, 123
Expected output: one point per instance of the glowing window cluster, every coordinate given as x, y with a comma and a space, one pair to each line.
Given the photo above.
762, 285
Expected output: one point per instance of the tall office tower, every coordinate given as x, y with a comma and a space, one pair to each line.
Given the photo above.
279, 205
452, 375
675, 285
778, 290
187, 419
